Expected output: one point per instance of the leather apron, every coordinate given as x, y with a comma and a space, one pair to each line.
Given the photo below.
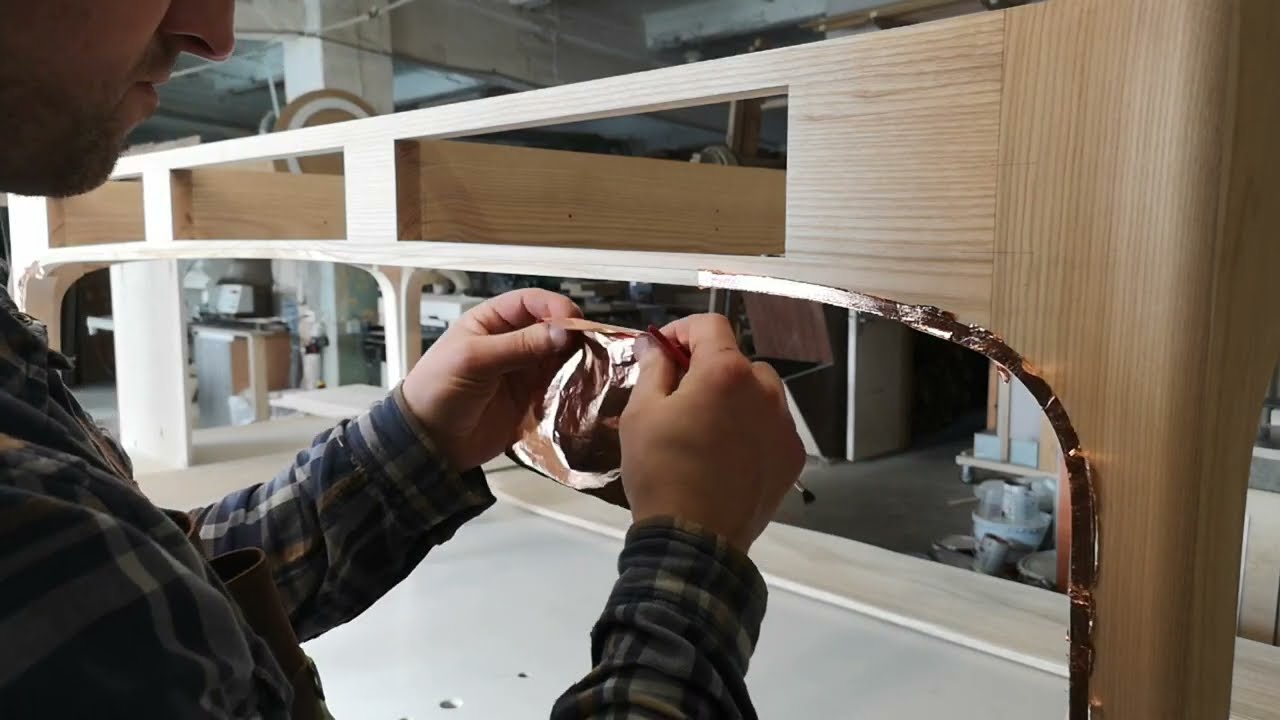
247, 577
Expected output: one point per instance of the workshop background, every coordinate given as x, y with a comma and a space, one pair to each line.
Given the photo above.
917, 445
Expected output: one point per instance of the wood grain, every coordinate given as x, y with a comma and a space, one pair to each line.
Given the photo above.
248, 205
893, 153
481, 193
963, 293
1131, 247
110, 214
894, 133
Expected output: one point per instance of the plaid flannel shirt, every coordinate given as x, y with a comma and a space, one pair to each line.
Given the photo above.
107, 610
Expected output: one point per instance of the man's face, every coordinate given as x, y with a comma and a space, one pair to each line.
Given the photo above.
76, 76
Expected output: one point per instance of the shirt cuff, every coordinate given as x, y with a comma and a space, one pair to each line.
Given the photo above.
714, 584
392, 442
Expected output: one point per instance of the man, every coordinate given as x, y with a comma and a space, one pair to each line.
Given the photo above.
113, 608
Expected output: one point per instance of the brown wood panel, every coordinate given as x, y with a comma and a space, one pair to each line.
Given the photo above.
493, 194
797, 336
1135, 239
278, 352
279, 356
789, 329
218, 204
110, 214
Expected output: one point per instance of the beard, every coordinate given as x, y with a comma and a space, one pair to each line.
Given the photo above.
57, 142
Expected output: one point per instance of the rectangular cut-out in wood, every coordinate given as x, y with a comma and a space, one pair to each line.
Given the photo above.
1093, 180
492, 194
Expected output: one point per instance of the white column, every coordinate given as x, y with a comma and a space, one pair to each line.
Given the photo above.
151, 361
35, 293
29, 229
356, 59
151, 341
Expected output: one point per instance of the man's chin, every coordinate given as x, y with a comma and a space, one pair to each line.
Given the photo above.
81, 172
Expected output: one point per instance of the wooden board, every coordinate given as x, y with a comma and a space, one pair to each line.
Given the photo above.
249, 205
110, 214
1127, 163
277, 355
335, 403
474, 192
886, 279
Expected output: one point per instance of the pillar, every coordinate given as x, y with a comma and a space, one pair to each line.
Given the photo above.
355, 59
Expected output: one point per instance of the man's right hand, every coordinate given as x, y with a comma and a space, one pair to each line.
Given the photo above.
717, 447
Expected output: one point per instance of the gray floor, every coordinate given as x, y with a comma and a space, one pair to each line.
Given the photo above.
901, 502
498, 620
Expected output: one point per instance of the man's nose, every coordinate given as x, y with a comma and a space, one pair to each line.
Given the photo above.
202, 27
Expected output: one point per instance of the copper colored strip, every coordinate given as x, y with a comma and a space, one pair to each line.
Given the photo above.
1084, 517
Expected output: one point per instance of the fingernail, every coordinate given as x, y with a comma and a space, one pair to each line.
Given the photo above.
559, 337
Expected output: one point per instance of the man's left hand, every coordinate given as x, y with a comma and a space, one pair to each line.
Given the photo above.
473, 387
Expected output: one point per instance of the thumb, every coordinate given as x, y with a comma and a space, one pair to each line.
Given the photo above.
498, 354
658, 377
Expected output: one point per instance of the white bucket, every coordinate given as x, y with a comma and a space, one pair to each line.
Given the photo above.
1023, 538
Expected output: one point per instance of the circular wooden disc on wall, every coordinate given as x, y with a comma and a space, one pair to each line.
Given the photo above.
320, 107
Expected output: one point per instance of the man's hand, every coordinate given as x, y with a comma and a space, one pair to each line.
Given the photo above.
472, 389
718, 447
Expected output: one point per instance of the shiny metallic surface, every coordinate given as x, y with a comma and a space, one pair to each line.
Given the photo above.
572, 436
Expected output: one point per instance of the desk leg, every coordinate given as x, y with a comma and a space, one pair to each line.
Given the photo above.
402, 305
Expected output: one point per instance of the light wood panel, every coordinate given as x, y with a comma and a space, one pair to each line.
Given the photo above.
1132, 246
920, 210
110, 214
481, 193
336, 402
960, 292
251, 205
